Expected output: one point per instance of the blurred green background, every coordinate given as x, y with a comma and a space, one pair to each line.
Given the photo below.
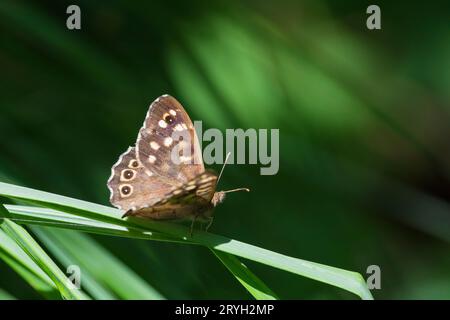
364, 119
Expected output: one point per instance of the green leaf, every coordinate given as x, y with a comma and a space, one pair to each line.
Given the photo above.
347, 280
88, 282
251, 282
20, 262
35, 252
54, 218
105, 268
49, 217
5, 295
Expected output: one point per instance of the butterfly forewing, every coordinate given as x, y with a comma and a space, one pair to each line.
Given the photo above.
147, 182
168, 129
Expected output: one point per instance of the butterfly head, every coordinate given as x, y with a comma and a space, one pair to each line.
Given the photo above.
219, 196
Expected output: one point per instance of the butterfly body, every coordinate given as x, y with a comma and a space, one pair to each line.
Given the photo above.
147, 182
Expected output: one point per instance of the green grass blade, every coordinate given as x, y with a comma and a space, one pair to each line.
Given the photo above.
347, 280
54, 218
88, 281
35, 252
250, 281
106, 268
20, 262
344, 279
24, 214
5, 295
62, 203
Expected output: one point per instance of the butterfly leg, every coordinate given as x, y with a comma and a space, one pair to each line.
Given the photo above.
211, 219
127, 214
192, 225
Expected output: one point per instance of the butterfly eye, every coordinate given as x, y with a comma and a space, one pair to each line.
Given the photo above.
169, 119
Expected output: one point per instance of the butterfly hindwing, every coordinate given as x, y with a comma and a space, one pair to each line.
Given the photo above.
202, 187
159, 139
190, 199
132, 186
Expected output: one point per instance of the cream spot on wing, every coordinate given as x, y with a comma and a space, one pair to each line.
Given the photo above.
184, 126
188, 188
205, 180
204, 191
151, 159
185, 159
162, 124
168, 141
172, 112
178, 191
182, 144
148, 172
154, 145
205, 185
192, 182
178, 127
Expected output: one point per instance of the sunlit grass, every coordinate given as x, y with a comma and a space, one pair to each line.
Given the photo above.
40, 258
85, 216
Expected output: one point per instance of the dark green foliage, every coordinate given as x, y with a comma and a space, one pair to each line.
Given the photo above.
363, 118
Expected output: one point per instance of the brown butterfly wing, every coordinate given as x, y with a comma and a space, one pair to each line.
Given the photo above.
146, 182
191, 199
201, 189
166, 120
132, 186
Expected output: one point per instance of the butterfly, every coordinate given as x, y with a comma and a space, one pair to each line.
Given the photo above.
163, 176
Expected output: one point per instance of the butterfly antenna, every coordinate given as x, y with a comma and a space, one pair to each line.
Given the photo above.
223, 167
220, 174
238, 189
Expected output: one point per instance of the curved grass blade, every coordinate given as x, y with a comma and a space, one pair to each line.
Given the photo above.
250, 281
111, 272
63, 220
347, 280
88, 282
5, 295
35, 252
53, 218
47, 217
20, 262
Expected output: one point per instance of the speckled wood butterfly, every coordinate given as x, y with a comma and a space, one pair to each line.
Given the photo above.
146, 182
